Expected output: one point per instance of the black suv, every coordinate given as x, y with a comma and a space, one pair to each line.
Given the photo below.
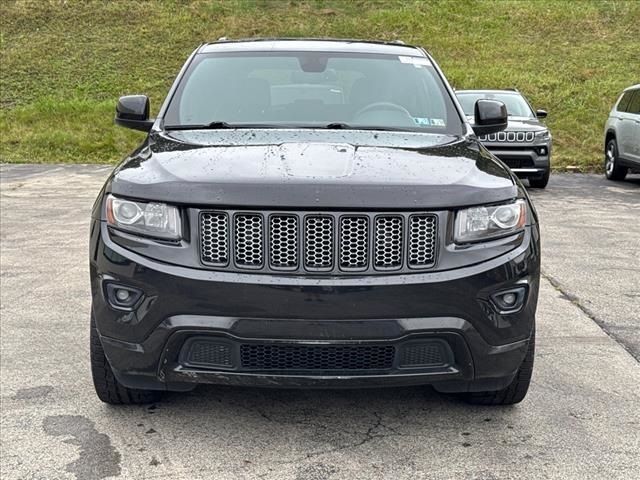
310, 213
525, 145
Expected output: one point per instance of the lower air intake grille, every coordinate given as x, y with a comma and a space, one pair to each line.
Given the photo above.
209, 353
423, 354
317, 357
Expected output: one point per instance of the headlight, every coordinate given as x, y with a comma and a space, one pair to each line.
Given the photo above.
483, 223
543, 135
148, 218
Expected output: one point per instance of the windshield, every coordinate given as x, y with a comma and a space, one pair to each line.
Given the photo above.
312, 90
516, 105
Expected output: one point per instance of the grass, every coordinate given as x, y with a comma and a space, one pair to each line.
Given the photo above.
63, 64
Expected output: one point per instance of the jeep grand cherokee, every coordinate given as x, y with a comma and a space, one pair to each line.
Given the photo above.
312, 214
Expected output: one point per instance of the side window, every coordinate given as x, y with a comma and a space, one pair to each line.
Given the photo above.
634, 103
624, 101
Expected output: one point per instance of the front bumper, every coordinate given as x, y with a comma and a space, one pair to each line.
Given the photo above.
148, 347
525, 160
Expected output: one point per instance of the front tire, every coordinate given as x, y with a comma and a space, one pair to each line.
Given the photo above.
612, 168
107, 387
516, 390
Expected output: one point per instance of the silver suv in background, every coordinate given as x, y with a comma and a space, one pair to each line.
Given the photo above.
622, 135
525, 146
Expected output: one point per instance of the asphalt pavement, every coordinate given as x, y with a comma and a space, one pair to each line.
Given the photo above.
580, 420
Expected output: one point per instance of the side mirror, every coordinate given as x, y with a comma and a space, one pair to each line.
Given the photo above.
541, 113
132, 111
490, 116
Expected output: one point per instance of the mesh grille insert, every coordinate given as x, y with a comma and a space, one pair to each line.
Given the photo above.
388, 242
210, 353
283, 241
354, 242
338, 243
423, 354
214, 238
317, 357
422, 240
318, 251
248, 240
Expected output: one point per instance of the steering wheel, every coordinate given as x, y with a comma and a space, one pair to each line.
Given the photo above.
383, 106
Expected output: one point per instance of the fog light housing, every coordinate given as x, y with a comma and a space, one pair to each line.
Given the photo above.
122, 297
509, 301
542, 150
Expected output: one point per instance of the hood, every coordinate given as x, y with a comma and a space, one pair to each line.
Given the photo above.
312, 169
525, 124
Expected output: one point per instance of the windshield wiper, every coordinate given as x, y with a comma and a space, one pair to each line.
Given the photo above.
346, 126
221, 125
217, 125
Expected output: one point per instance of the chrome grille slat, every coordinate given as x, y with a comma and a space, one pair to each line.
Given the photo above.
509, 137
323, 242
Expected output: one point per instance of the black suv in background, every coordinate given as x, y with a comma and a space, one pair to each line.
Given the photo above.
312, 213
525, 145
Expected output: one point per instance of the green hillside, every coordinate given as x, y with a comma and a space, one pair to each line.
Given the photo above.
64, 63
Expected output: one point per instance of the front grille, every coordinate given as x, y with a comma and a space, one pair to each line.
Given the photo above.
316, 357
508, 137
318, 242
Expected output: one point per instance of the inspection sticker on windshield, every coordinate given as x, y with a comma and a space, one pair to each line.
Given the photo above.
422, 121
416, 61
